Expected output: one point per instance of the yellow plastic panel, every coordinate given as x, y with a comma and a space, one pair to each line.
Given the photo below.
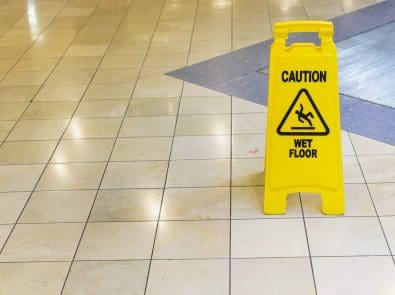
303, 139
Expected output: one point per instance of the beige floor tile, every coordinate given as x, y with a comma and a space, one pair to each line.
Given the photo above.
188, 277
162, 86
142, 148
42, 242
378, 168
38, 130
346, 145
247, 204
83, 150
196, 57
18, 93
49, 110
106, 277
5, 128
24, 78
246, 172
71, 176
86, 50
354, 275
127, 49
351, 170
70, 206
93, 128
6, 64
198, 173
192, 239
11, 52
148, 126
33, 278
346, 236
210, 45
11, 205
268, 238
97, 109
367, 146
388, 223
115, 76
122, 61
36, 64
61, 93
5, 230
196, 203
76, 11
357, 202
166, 60
117, 240
271, 276
203, 125
205, 105
93, 39
26, 152
109, 91
146, 174
249, 123
172, 36
19, 177
349, 6
169, 47
127, 205
78, 63
12, 110
70, 77
240, 106
248, 145
126, 38
383, 197
140, 26
321, 11
201, 147
153, 107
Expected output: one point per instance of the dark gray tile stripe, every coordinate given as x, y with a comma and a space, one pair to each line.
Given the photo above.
252, 58
368, 119
236, 74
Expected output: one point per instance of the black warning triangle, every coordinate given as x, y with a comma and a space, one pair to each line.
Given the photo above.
303, 117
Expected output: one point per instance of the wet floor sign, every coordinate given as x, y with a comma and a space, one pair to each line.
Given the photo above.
303, 146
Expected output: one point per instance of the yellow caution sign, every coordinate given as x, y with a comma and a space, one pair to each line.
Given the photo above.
303, 145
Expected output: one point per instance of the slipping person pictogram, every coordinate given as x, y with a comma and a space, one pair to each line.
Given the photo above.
302, 117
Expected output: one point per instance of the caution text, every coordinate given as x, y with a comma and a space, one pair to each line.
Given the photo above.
303, 76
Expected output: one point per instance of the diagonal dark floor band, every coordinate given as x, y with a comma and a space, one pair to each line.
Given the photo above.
236, 74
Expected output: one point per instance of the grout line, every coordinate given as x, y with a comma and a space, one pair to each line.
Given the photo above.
127, 161
191, 259
112, 117
133, 137
308, 244
172, 141
170, 187
371, 198
192, 220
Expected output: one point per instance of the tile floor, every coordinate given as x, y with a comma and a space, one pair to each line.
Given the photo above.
117, 179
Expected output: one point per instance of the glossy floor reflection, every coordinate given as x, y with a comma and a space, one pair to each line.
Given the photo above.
118, 179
